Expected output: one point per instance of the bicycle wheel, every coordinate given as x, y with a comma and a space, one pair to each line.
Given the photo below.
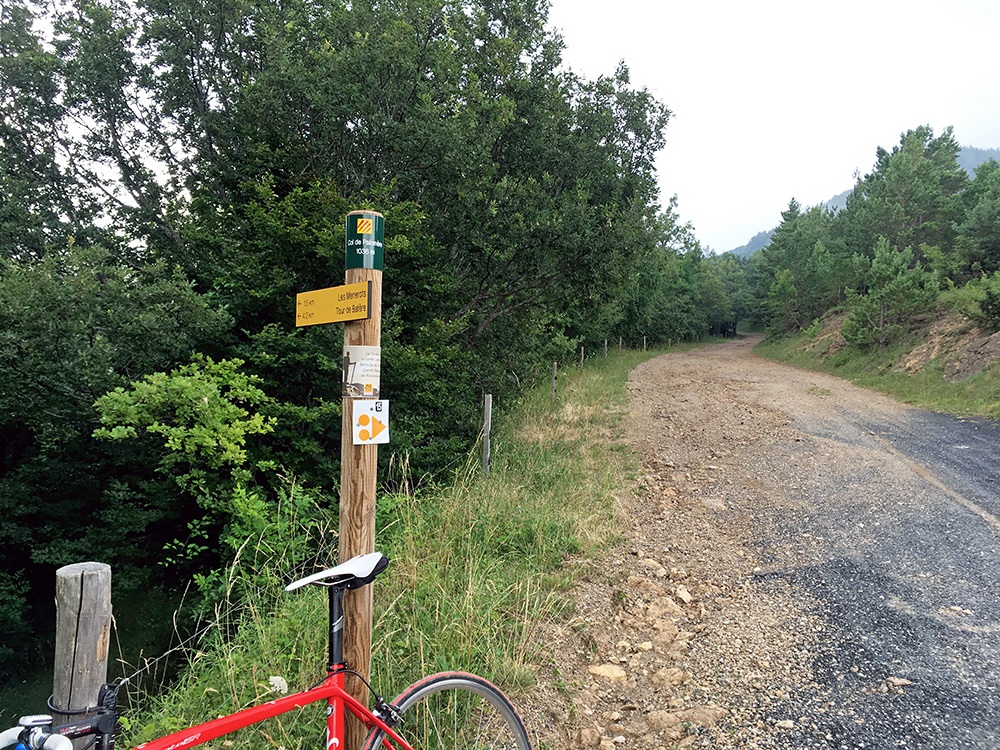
454, 710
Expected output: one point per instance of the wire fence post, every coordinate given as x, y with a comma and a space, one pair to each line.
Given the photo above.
487, 427
555, 374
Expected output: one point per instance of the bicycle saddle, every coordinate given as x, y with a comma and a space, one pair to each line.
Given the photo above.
353, 574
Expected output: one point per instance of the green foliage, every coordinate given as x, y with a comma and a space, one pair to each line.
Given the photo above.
74, 325
782, 304
196, 425
201, 413
990, 306
980, 231
476, 566
916, 196
205, 155
813, 330
978, 300
897, 292
13, 620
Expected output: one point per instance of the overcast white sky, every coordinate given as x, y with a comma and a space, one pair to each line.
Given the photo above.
774, 99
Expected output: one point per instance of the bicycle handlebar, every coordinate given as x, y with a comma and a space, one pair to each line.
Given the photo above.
34, 738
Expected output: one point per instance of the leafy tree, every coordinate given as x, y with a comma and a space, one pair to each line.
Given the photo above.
73, 326
195, 424
39, 205
664, 299
712, 291
912, 196
897, 291
798, 246
782, 304
981, 227
205, 155
732, 270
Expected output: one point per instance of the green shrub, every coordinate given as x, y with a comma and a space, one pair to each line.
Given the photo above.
897, 292
978, 300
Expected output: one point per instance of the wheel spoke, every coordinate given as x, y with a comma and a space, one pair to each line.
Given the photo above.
455, 711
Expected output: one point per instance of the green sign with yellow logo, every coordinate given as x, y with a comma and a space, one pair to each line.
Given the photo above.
365, 230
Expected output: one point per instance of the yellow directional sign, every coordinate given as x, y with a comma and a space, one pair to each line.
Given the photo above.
334, 304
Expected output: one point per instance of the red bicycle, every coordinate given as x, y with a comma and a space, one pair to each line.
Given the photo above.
445, 711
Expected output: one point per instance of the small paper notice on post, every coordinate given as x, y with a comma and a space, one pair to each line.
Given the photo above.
362, 371
371, 422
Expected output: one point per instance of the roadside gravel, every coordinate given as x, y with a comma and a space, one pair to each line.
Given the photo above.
756, 601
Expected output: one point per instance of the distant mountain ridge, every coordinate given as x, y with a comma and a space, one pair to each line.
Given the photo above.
969, 158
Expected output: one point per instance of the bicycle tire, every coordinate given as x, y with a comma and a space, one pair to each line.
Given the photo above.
452, 710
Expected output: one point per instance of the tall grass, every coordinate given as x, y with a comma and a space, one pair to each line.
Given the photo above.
477, 564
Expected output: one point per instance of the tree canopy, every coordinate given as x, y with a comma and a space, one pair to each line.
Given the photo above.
914, 225
172, 174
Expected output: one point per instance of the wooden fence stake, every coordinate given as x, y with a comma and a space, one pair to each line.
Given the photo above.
487, 427
83, 634
555, 371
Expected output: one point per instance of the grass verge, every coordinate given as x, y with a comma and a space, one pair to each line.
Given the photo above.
477, 565
978, 395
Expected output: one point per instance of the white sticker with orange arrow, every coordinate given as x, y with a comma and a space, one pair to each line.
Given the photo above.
371, 421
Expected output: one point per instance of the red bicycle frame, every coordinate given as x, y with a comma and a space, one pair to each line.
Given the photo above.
355, 573
332, 689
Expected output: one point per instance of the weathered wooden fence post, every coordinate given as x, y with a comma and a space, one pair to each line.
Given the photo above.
605, 348
581, 357
487, 427
555, 373
83, 635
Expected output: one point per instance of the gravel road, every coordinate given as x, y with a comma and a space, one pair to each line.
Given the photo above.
810, 565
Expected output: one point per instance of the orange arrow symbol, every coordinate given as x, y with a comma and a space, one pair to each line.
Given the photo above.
377, 427
374, 430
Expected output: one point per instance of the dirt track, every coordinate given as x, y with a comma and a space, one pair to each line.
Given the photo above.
810, 565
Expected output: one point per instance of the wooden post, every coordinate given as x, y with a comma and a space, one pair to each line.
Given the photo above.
605, 348
581, 357
619, 344
644, 343
555, 372
487, 427
357, 483
83, 634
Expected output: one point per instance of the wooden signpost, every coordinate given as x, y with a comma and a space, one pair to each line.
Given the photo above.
359, 304
362, 266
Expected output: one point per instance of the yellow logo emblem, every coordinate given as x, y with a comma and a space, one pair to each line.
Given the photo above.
364, 226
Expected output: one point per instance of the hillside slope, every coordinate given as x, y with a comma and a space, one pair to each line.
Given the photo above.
945, 364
